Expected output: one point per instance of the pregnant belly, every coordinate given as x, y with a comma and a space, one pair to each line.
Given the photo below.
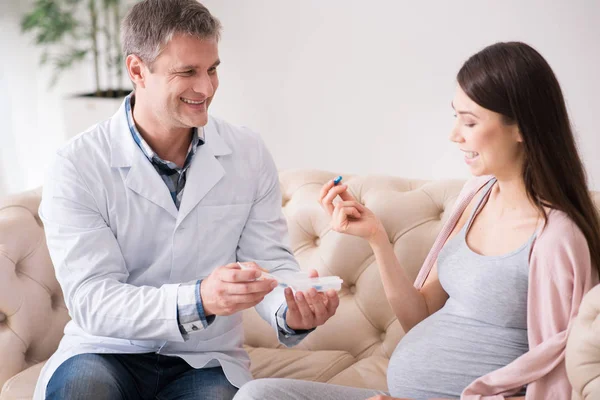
445, 353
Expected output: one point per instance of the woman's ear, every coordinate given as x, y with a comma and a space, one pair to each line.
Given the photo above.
517, 134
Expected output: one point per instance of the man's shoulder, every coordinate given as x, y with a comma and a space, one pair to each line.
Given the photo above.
90, 145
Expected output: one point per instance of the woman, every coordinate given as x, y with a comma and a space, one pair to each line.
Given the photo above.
489, 313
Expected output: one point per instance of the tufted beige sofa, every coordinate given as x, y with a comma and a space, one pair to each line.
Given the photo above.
353, 348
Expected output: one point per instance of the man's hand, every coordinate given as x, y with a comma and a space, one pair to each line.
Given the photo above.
230, 289
311, 309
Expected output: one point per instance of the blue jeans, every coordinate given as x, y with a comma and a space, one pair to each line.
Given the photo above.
136, 376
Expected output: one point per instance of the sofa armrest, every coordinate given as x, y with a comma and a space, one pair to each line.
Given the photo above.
32, 310
22, 385
583, 348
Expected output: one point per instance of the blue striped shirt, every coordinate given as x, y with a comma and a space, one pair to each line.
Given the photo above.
173, 176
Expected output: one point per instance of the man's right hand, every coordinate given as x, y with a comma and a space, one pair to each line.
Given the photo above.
230, 289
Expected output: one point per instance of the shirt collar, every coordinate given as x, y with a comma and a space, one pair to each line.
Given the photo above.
197, 135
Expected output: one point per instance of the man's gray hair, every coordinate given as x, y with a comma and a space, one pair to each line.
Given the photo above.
151, 24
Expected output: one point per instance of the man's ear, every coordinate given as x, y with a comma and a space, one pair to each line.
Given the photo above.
136, 69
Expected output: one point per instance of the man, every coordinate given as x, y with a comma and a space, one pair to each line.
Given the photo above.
146, 215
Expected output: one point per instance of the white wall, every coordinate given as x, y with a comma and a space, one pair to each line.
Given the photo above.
365, 86
31, 113
343, 85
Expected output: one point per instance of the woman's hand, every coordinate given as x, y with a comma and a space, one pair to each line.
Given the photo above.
349, 216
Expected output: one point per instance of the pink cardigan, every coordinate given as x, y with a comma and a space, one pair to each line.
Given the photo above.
560, 274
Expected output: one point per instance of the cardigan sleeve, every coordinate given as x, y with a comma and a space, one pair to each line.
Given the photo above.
561, 274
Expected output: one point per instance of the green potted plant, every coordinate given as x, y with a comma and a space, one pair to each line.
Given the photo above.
76, 31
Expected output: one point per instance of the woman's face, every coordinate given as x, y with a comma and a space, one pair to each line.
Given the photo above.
490, 146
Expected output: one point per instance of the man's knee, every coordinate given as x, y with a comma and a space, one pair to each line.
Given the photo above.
85, 376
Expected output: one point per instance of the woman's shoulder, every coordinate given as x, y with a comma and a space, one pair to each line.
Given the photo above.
560, 238
560, 227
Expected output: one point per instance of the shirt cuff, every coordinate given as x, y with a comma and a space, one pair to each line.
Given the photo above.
190, 311
288, 336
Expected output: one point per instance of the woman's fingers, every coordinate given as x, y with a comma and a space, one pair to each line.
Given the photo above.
323, 198
330, 191
325, 189
341, 217
327, 200
346, 196
352, 203
349, 211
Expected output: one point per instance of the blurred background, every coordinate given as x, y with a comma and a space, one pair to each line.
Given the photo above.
342, 85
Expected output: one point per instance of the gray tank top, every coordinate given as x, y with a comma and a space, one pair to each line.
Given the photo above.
482, 326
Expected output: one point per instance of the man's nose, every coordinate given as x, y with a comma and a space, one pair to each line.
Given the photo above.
203, 84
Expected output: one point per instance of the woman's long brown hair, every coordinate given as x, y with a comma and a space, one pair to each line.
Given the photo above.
514, 80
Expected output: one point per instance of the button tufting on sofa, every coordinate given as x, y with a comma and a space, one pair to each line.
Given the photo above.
27, 356
2, 317
54, 300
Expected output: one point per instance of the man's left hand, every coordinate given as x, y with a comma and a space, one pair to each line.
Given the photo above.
307, 310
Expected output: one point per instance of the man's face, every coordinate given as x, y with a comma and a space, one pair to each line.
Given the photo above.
180, 84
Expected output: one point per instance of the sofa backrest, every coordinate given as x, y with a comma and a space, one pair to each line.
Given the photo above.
412, 212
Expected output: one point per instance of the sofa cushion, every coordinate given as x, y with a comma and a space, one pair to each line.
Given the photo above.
368, 373
336, 367
318, 366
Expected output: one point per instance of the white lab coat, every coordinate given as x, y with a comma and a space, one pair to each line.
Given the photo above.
120, 247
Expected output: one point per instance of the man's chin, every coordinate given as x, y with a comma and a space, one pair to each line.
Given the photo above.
198, 121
